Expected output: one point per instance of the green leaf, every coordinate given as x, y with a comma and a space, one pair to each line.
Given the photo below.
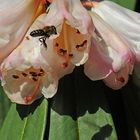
130, 4
4, 106
25, 122
80, 110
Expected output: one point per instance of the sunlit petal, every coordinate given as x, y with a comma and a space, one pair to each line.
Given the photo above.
50, 85
16, 17
19, 85
26, 69
123, 21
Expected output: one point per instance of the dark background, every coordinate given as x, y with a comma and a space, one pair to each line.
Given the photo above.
138, 6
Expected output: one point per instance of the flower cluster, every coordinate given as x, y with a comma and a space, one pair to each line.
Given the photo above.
39, 47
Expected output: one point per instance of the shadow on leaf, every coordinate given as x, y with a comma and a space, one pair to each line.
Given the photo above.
104, 132
25, 110
77, 94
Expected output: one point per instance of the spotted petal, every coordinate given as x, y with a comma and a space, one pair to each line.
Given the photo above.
110, 56
69, 25
66, 48
126, 23
25, 73
117, 80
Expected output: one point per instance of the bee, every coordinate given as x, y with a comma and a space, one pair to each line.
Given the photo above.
46, 32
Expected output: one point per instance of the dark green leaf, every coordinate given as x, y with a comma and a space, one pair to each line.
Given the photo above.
25, 122
4, 106
126, 3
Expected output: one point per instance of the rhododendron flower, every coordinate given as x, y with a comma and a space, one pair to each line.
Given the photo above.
125, 22
65, 37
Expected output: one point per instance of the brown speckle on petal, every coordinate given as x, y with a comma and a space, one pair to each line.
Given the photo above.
120, 79
34, 74
77, 31
80, 47
15, 76
56, 44
62, 51
27, 37
24, 74
70, 55
64, 65
34, 79
41, 70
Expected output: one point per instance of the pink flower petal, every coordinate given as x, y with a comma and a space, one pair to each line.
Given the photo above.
15, 19
117, 80
98, 65
124, 21
115, 42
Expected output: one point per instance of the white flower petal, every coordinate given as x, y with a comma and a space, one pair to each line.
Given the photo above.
16, 17
19, 85
123, 21
71, 10
23, 68
50, 85
60, 65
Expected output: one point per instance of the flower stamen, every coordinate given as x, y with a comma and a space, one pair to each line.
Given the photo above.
28, 99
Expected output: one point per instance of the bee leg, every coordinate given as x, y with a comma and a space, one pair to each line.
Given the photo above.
42, 40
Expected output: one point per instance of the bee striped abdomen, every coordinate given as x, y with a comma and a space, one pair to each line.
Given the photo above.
36, 33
